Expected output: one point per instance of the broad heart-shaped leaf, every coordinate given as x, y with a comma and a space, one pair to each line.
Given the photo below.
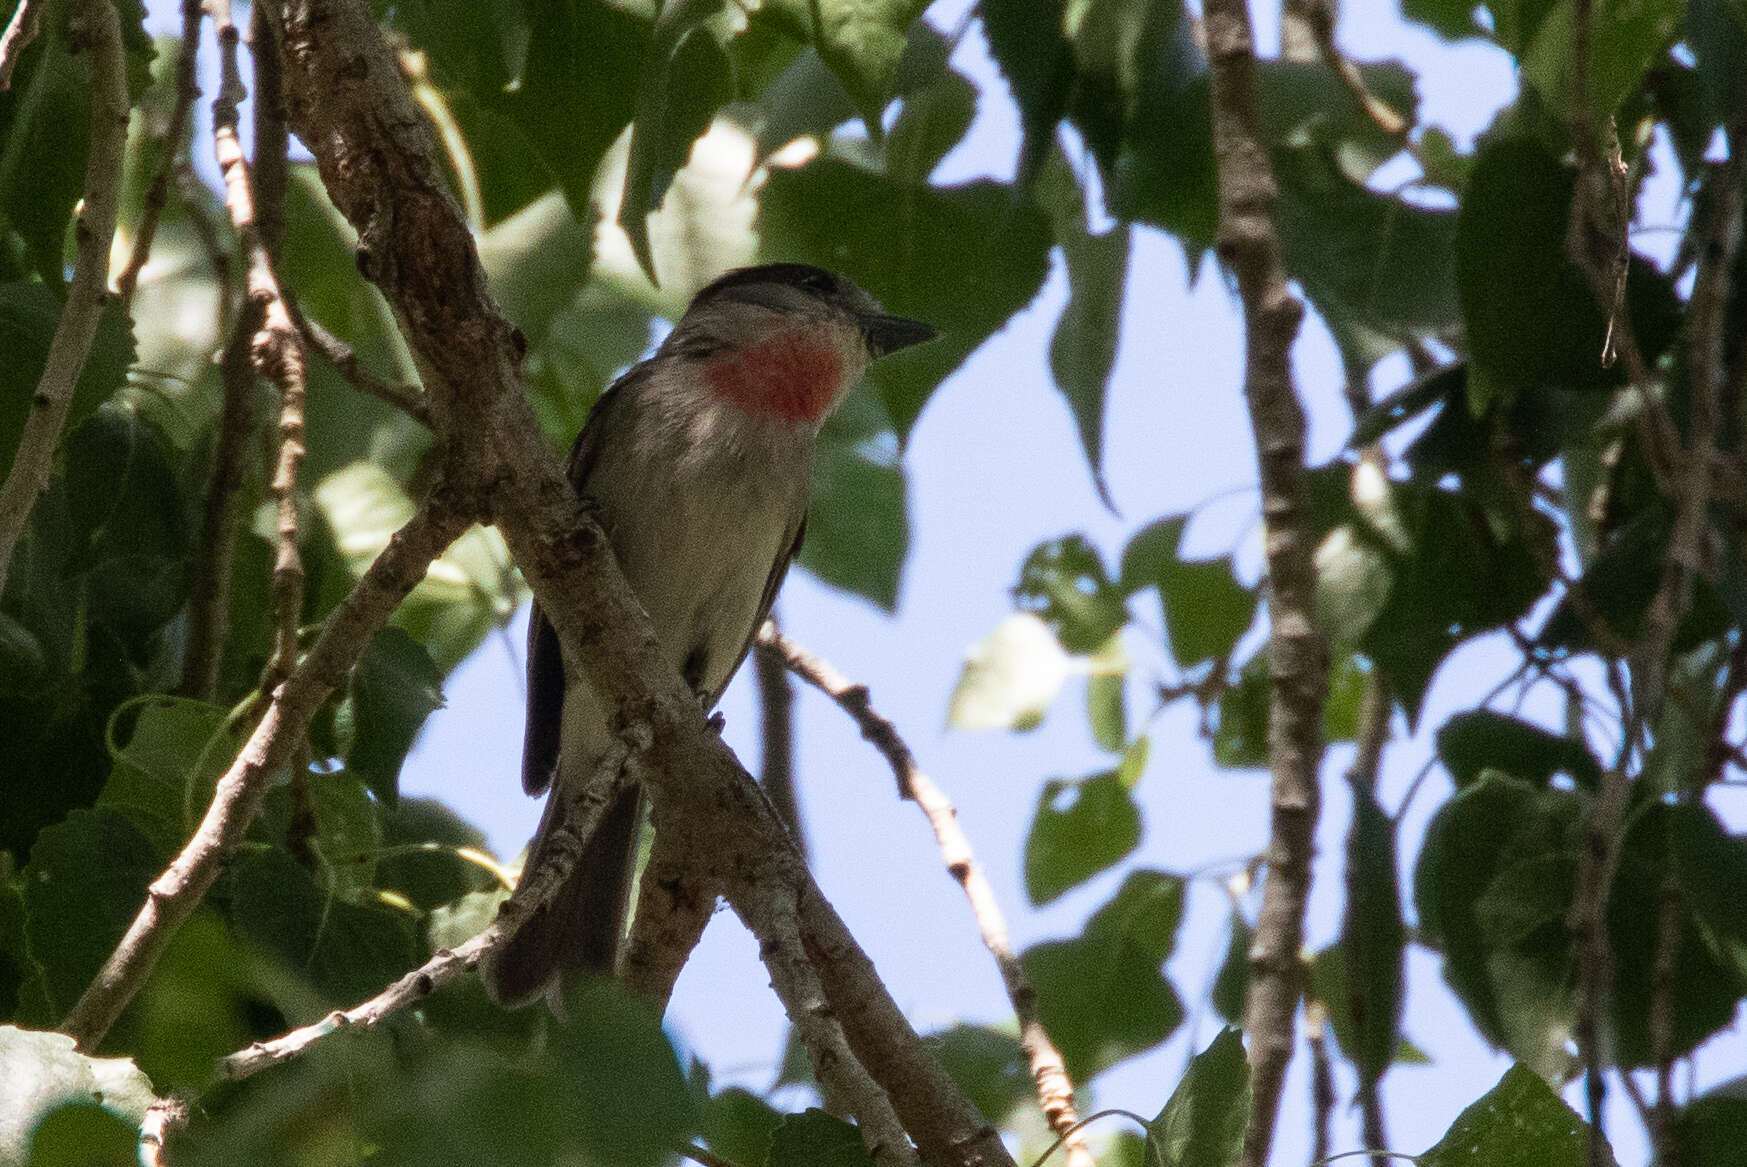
1373, 938
1082, 350
29, 313
394, 688
1530, 316
1518, 1123
1478, 740
963, 258
816, 1139
83, 1134
1203, 1123
429, 876
567, 90
84, 884
42, 1071
858, 523
687, 79
1103, 996
1329, 984
345, 950
861, 40
1492, 887
163, 778
1010, 677
1079, 829
1064, 581
1206, 609
989, 1066
738, 1125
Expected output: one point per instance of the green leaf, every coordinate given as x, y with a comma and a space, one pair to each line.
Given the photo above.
1082, 350
1373, 939
1711, 1129
29, 314
1107, 709
817, 1139
394, 688
1207, 610
1481, 739
1518, 1123
1530, 317
1028, 43
85, 882
1010, 677
347, 950
1711, 864
1203, 1123
1492, 888
963, 258
1150, 553
622, 1088
861, 41
426, 836
42, 1071
1064, 581
1626, 38
988, 1065
738, 1125
934, 120
1102, 996
201, 1003
687, 79
45, 138
1231, 985
164, 777
1240, 740
858, 525
82, 1134
1079, 829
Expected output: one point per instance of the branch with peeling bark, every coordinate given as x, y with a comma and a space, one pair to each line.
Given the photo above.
88, 291
1055, 1091
1249, 245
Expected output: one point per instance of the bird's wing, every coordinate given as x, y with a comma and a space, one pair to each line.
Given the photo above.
545, 721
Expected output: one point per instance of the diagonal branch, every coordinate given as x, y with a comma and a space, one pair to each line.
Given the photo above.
175, 894
158, 194
1249, 244
20, 31
1055, 1091
88, 292
348, 102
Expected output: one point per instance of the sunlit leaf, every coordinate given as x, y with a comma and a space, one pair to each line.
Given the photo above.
1010, 677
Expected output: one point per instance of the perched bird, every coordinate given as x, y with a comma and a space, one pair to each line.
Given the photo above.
697, 464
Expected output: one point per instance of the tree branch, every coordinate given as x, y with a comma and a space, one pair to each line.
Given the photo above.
675, 900
175, 894
1250, 247
409, 399
348, 102
776, 703
93, 231
20, 31
588, 803
1055, 1091
158, 194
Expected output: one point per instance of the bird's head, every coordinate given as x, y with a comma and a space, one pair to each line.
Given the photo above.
787, 340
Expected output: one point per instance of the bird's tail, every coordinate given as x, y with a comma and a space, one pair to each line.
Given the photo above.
578, 933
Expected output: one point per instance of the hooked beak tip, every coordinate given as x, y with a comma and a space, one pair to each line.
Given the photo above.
888, 334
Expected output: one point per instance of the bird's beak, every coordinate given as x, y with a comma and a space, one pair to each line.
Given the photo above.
888, 334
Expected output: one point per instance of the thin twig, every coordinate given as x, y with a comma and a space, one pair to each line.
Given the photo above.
174, 895
20, 31
1055, 1091
776, 703
588, 803
1322, 1077
703, 1155
88, 292
409, 399
1249, 245
1320, 16
158, 194
275, 350
209, 563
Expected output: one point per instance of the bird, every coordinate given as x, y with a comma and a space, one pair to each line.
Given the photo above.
696, 462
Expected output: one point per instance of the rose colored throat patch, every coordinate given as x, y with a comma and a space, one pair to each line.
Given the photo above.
793, 376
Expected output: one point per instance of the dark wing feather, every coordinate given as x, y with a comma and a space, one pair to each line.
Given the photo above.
545, 722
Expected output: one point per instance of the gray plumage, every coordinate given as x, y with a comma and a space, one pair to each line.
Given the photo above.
702, 491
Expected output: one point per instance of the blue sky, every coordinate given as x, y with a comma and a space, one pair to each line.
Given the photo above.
994, 468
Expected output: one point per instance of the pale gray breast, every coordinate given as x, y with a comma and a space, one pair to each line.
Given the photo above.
698, 520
